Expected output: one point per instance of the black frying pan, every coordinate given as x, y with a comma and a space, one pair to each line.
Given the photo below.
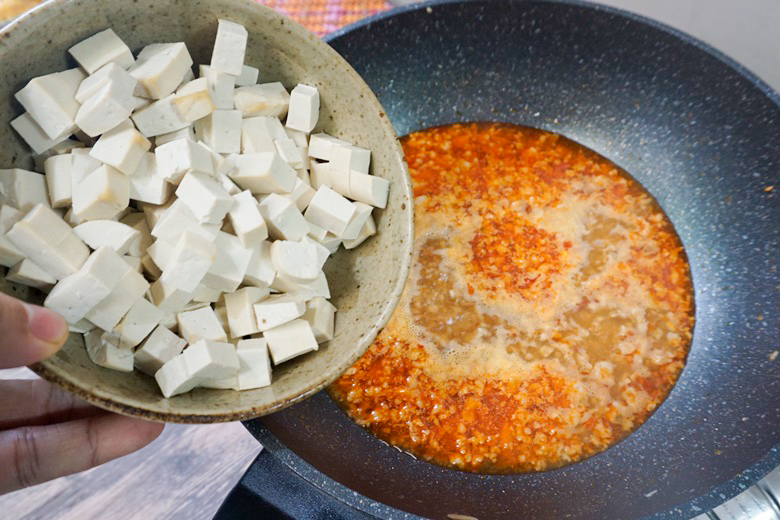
697, 130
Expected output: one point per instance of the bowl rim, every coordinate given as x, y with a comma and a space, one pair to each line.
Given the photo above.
91, 394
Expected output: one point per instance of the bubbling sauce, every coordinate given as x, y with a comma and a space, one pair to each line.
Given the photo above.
548, 312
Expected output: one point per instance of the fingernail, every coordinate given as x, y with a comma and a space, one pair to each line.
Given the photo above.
46, 325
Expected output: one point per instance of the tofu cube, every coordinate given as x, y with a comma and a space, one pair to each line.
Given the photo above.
177, 219
254, 362
205, 198
229, 48
321, 146
350, 158
205, 294
26, 272
147, 185
362, 214
82, 165
332, 242
290, 340
131, 287
304, 292
95, 82
189, 262
100, 49
161, 252
298, 262
259, 133
185, 133
248, 224
160, 68
122, 148
316, 233
10, 255
139, 321
103, 194
221, 85
23, 189
289, 152
222, 131
51, 102
320, 314
161, 346
240, 310
368, 230
34, 135
111, 104
98, 233
200, 324
210, 361
160, 117
178, 157
369, 189
263, 173
277, 310
267, 99
62, 148
323, 174
247, 77
330, 210
137, 221
150, 269
301, 195
153, 212
57, 168
260, 272
174, 379
283, 218
193, 100
134, 262
103, 350
228, 270
168, 298
304, 108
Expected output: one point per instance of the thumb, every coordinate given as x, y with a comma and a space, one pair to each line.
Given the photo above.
28, 333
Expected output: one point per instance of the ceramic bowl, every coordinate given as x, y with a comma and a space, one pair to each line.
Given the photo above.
365, 282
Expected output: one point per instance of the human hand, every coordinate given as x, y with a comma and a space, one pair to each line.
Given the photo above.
45, 432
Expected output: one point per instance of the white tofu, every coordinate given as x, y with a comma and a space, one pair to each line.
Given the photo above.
178, 157
290, 340
283, 218
248, 224
297, 262
221, 87
23, 189
331, 241
205, 198
229, 48
62, 148
122, 148
34, 135
317, 233
320, 314
221, 311
255, 364
57, 168
193, 100
301, 139
304, 108
147, 185
188, 76
137, 221
247, 77
98, 233
10, 255
160, 117
204, 294
26, 272
263, 173
140, 102
134, 262
212, 362
100, 49
321, 146
174, 379
289, 152
161, 346
350, 158
301, 195
160, 68
150, 269
259, 133
304, 292
49, 242
222, 131
323, 253
177, 219
82, 327
266, 99
153, 212
95, 82
330, 210
369, 189
74, 296
111, 104
200, 324
139, 321
189, 262
362, 214
82, 165
103, 194
321, 174
168, 298
131, 287
277, 310
240, 310
103, 350
51, 102
184, 133
161, 252
227, 272
260, 272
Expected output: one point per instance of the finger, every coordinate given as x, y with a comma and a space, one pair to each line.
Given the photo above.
29, 333
31, 455
36, 402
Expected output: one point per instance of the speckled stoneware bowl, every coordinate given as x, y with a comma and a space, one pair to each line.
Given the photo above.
365, 283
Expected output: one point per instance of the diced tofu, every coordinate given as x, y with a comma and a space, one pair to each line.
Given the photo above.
150, 269
22, 189
189, 262
26, 272
240, 310
10, 255
317, 233
263, 173
221, 87
134, 262
255, 364
298, 262
222, 131
139, 321
161, 346
51, 101
49, 242
350, 158
227, 272
147, 185
283, 218
131, 287
267, 99
247, 77
82, 165
111, 104
205, 198
174, 379
100, 49
160, 117
330, 210
260, 271
185, 133
193, 100
153, 212
331, 241
34, 135
301, 195
206, 294
177, 219
304, 108
321, 146
320, 314
369, 189
62, 148
178, 157
95, 82
98, 233
160, 68
138, 222
103, 194
304, 292
301, 139
323, 253
289, 152
290, 340
277, 310
229, 48
248, 224
200, 324
210, 361
362, 214
168, 298
122, 148
104, 351
161, 252
57, 168
82, 327
259, 133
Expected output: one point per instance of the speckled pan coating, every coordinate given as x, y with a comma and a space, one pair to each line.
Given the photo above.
703, 135
365, 283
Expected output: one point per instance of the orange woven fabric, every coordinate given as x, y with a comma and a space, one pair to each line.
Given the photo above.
324, 16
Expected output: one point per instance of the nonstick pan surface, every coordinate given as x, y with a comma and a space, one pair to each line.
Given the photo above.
702, 135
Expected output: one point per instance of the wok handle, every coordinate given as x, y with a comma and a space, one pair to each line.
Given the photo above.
269, 489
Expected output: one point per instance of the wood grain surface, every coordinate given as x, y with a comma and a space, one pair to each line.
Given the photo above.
186, 473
